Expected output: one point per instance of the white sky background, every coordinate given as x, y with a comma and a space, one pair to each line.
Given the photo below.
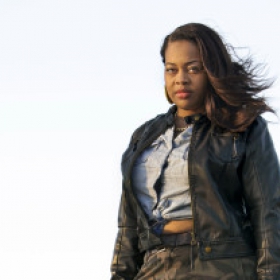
76, 78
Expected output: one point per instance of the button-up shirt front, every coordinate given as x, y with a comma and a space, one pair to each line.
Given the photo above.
160, 177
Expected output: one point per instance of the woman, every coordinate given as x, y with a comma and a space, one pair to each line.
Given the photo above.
201, 183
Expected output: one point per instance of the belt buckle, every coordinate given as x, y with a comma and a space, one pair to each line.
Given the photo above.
156, 250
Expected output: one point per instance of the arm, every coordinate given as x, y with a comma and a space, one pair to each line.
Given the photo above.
127, 258
261, 179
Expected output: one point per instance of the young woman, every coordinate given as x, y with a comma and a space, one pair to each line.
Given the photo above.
201, 183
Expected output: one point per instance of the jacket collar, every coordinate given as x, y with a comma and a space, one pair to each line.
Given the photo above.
189, 119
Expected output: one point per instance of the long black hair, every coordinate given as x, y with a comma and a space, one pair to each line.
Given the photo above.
231, 101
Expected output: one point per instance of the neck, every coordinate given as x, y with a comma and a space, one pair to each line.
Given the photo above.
186, 113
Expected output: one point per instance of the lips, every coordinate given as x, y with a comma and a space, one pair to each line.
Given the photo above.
183, 94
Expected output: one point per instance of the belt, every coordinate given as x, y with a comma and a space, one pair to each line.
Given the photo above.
177, 239
171, 240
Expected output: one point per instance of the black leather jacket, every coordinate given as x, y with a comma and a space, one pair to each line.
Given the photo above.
235, 189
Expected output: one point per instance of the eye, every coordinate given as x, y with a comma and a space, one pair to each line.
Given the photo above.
194, 69
170, 70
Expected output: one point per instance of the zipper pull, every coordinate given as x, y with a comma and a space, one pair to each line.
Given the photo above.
193, 241
235, 137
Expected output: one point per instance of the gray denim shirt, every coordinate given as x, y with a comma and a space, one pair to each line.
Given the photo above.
160, 177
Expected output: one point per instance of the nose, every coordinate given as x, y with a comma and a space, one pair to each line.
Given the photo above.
182, 77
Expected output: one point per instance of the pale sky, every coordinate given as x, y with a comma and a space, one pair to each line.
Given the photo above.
76, 79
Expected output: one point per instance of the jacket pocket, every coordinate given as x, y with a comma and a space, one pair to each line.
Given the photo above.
225, 147
227, 248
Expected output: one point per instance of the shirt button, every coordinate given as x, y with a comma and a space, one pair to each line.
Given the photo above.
208, 249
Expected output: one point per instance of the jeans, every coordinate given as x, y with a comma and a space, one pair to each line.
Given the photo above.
183, 263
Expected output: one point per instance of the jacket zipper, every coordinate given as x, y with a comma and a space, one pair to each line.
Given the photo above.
193, 241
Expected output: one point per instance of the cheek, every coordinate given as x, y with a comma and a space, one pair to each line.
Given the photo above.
166, 80
203, 88
168, 86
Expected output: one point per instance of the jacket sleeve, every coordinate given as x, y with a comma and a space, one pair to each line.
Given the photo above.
126, 259
261, 179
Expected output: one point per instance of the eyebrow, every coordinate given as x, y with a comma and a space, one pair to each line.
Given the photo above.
187, 63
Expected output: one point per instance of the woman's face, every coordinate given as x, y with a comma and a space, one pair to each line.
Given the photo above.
185, 80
